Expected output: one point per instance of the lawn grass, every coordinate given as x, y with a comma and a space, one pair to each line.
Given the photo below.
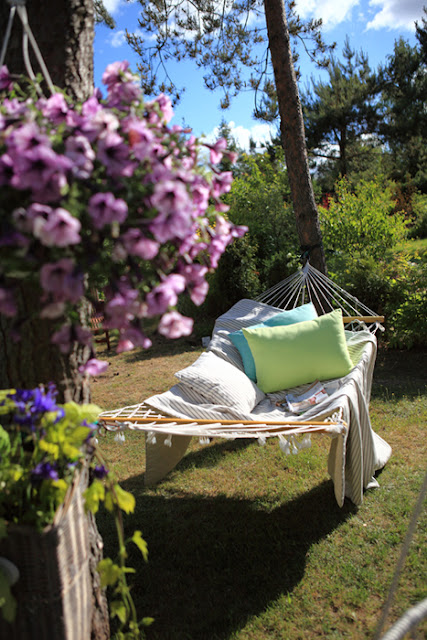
247, 544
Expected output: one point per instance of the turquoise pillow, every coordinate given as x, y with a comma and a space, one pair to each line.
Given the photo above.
292, 355
282, 318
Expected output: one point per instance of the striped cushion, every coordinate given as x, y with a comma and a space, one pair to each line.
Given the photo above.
221, 383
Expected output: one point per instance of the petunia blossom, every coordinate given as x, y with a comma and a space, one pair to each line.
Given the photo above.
105, 209
60, 229
93, 367
174, 325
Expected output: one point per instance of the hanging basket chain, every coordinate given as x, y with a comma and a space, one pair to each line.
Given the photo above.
19, 6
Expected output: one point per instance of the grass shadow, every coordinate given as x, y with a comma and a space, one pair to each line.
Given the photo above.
400, 373
217, 561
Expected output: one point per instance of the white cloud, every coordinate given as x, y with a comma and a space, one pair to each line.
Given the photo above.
113, 6
389, 14
118, 39
394, 14
332, 12
259, 133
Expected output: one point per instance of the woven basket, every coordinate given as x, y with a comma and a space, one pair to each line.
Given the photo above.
54, 588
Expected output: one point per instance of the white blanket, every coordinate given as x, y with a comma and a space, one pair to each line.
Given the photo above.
355, 453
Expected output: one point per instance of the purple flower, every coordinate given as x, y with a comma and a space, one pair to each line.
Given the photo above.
221, 183
55, 108
130, 338
174, 325
44, 471
7, 303
114, 72
63, 338
122, 307
63, 280
217, 150
6, 83
41, 170
100, 471
123, 94
6, 169
81, 154
141, 138
196, 284
113, 153
136, 244
93, 367
104, 209
165, 295
164, 104
25, 137
60, 229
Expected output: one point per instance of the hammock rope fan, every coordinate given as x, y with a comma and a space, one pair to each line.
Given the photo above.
309, 284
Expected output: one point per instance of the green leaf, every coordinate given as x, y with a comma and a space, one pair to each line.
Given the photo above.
117, 608
92, 495
4, 442
7, 601
109, 572
126, 500
141, 544
147, 621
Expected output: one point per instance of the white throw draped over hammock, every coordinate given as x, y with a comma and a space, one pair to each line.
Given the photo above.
171, 419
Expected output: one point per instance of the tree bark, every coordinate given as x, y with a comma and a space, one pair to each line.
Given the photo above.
28, 357
64, 32
293, 135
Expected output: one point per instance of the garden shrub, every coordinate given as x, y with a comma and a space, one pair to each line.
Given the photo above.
362, 222
419, 208
260, 196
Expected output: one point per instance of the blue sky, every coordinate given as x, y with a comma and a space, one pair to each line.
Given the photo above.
371, 25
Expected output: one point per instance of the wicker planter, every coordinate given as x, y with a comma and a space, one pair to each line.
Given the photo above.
53, 592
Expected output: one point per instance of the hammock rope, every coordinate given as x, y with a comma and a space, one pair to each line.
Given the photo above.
326, 295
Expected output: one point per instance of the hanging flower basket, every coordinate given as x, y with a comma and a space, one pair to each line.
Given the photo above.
53, 590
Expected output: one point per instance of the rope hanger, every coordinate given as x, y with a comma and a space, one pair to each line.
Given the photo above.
18, 6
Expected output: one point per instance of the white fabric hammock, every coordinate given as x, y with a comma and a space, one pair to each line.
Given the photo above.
356, 452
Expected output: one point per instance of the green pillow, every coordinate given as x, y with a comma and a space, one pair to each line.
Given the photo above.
289, 356
282, 318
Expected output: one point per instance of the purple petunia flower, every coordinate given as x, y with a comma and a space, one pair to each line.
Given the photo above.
55, 108
165, 295
7, 303
81, 154
60, 229
174, 325
5, 79
44, 471
136, 244
113, 153
130, 338
104, 209
63, 280
100, 471
93, 367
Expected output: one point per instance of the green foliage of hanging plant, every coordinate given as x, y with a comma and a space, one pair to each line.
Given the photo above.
44, 448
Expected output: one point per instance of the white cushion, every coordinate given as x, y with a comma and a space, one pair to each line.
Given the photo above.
221, 383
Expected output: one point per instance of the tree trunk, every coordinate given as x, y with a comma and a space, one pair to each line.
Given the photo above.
28, 357
293, 135
64, 32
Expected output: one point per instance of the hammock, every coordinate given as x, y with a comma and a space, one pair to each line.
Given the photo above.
171, 419
309, 284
